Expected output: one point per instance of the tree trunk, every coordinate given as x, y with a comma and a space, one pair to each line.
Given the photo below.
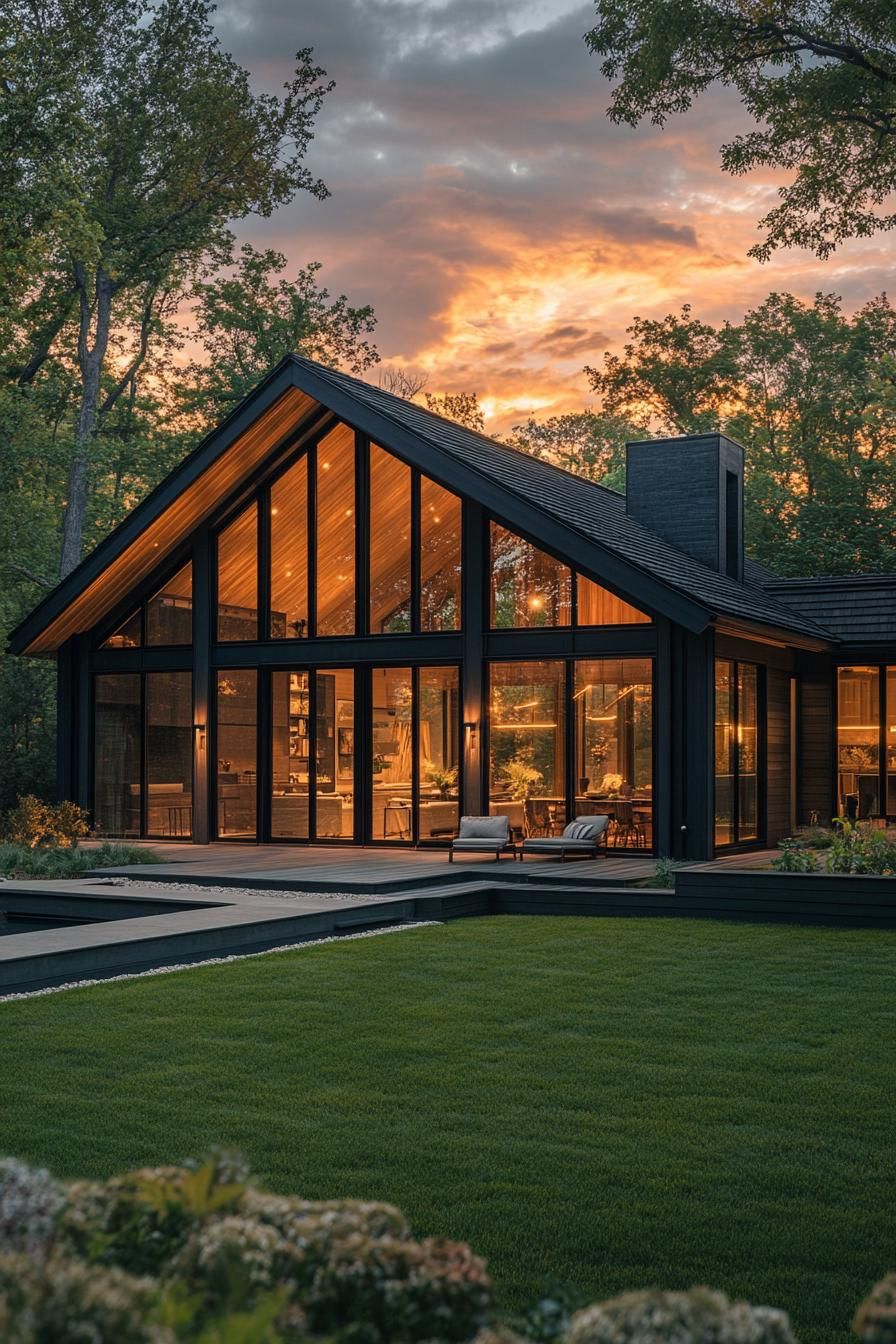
90, 364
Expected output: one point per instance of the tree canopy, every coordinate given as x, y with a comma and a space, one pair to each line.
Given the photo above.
817, 76
811, 393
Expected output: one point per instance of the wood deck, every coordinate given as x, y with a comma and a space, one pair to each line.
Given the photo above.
372, 869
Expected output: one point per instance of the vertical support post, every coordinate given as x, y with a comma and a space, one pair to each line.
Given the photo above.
202, 686
83, 791
692, 745
66, 723
474, 569
665, 784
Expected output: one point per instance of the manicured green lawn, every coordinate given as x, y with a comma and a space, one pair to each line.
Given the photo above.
603, 1103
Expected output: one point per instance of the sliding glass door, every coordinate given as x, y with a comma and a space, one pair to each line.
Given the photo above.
414, 753
313, 754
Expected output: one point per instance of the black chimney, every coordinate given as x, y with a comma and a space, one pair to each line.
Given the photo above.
690, 491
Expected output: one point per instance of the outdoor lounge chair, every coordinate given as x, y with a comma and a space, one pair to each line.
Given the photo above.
582, 837
482, 835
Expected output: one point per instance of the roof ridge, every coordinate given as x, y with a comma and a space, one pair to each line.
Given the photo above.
324, 369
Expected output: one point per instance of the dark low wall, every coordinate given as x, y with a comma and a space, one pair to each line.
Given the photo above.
798, 898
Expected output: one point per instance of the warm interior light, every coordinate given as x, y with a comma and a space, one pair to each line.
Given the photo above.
536, 603
518, 727
325, 466
274, 512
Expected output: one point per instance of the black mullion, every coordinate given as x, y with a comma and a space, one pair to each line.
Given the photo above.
574, 598
311, 539
362, 534
312, 754
735, 701
416, 567
571, 743
363, 770
882, 798
264, 563
415, 749
144, 783
264, 771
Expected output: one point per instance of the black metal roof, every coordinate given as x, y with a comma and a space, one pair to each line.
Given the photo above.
597, 513
858, 610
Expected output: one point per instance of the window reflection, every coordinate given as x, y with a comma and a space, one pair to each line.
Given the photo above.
127, 635
117, 792
334, 754
289, 553
391, 753
291, 745
736, 752
440, 552
527, 752
529, 588
237, 733
858, 741
169, 754
613, 700
437, 752
390, 543
169, 613
335, 543
238, 577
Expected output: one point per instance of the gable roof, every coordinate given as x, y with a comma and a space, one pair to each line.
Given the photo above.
583, 521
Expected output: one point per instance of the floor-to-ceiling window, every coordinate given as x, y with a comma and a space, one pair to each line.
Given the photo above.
169, 754
118, 784
143, 754
438, 754
236, 745
866, 741
737, 749
414, 753
313, 754
527, 745
613, 721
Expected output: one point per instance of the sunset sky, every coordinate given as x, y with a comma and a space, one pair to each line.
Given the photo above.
505, 231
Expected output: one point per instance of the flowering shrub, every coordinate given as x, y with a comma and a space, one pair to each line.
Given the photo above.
30, 1202
70, 1302
875, 1321
167, 1254
33, 823
700, 1316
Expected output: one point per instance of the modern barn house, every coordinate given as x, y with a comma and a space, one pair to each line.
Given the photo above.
346, 620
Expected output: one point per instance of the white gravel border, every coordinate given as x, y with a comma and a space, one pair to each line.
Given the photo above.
220, 961
282, 893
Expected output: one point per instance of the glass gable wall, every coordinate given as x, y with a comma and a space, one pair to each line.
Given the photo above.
296, 562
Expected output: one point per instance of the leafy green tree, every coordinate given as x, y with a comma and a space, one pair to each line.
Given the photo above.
809, 391
155, 142
249, 319
583, 442
817, 76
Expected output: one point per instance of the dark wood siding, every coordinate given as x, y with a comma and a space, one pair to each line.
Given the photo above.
816, 740
777, 699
